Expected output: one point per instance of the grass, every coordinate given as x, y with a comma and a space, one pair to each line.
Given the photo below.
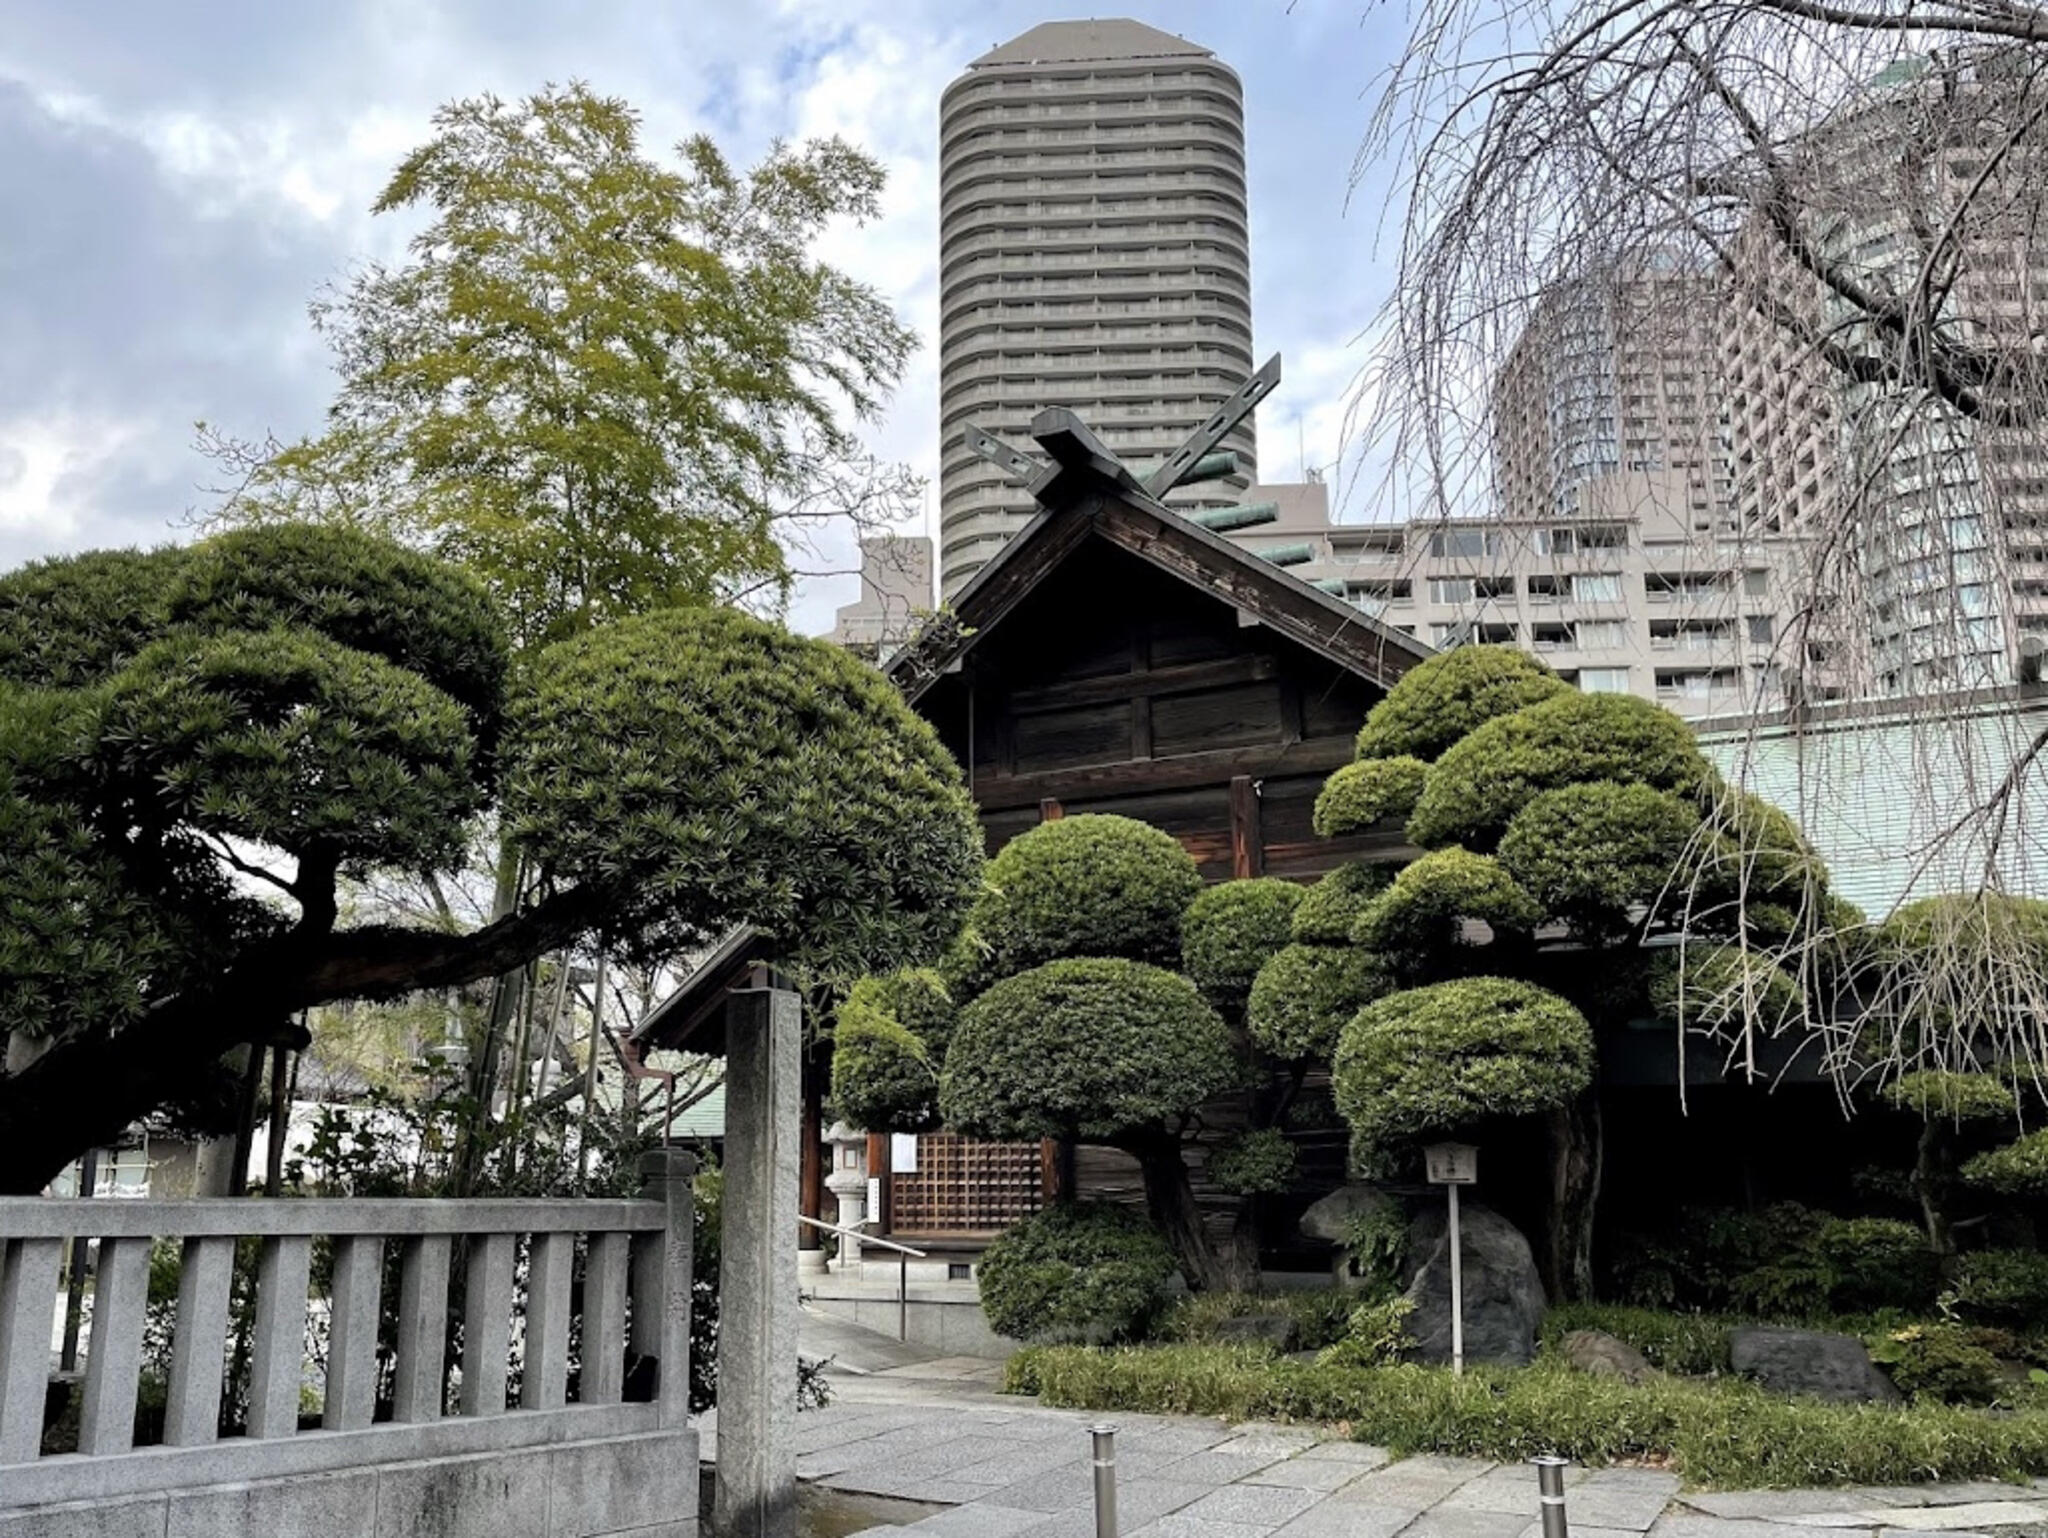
1721, 1432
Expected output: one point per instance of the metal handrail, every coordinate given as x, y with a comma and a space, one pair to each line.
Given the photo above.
854, 1233
903, 1254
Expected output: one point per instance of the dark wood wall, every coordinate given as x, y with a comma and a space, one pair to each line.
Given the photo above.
1113, 687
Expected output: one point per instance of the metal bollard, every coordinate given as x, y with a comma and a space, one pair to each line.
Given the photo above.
1105, 1480
1550, 1493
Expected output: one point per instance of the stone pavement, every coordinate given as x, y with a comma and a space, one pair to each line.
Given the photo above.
935, 1431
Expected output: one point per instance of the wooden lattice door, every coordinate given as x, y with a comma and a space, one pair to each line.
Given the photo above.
966, 1186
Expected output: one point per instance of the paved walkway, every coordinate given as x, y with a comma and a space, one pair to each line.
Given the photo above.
906, 1425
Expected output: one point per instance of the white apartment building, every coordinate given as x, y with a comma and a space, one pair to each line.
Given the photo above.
1093, 253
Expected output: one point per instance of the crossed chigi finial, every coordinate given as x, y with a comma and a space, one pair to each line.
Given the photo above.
1082, 463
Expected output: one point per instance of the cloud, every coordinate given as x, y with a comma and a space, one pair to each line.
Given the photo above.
197, 172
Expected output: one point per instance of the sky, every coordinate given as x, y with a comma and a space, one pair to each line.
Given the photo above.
181, 179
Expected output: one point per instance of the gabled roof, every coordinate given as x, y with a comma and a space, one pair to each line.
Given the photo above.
1134, 522
1066, 42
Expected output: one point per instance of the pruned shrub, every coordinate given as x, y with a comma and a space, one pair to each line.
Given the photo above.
1878, 1263
883, 1077
1448, 1057
1259, 1160
1938, 1361
1939, 1095
1305, 996
1593, 855
1374, 1336
2018, 1169
1367, 792
1231, 930
1438, 701
1078, 1271
1091, 1048
1480, 783
1088, 885
1724, 989
1329, 911
1418, 923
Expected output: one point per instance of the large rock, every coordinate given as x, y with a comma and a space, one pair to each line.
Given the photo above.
1503, 1292
1605, 1356
1813, 1362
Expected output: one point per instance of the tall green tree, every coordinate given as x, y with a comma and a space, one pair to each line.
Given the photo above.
605, 384
197, 748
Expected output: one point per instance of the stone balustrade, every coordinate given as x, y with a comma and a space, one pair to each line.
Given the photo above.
443, 1416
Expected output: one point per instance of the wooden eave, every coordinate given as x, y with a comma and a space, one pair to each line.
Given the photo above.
1269, 594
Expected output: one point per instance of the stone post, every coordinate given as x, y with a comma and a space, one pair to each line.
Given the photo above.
661, 1275
849, 1182
755, 1493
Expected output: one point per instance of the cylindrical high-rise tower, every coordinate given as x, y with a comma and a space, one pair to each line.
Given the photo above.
1093, 253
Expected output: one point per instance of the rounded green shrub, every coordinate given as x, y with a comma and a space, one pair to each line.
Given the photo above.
889, 1037
1590, 854
1367, 792
1477, 786
883, 1079
1879, 1263
705, 769
1258, 1160
75, 620
1093, 1048
1305, 996
1077, 1272
1938, 1095
1942, 1362
1724, 988
2002, 1287
1330, 910
1089, 885
1417, 924
1231, 930
1757, 855
370, 594
2018, 1169
1439, 1060
1438, 701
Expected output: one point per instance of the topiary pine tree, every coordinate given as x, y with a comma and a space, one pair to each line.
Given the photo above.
198, 747
1553, 824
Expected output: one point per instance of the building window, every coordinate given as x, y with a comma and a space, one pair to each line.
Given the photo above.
1756, 583
1601, 634
1464, 543
1761, 629
1603, 680
1602, 587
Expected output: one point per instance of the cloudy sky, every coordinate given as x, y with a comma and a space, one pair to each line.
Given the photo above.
179, 179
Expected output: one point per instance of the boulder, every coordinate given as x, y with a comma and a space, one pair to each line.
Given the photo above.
1503, 1293
1330, 1217
1275, 1330
1605, 1356
1815, 1362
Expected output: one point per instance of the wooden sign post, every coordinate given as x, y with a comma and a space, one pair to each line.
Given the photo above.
1452, 1165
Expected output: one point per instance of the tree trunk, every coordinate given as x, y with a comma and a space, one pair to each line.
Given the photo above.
1171, 1201
1931, 1182
1575, 1153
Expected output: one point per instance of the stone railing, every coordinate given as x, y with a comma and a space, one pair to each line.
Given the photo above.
633, 1383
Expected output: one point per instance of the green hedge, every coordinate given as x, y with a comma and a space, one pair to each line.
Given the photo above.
1723, 1432
1075, 1271
1233, 929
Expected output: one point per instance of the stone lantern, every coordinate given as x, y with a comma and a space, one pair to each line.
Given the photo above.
848, 1181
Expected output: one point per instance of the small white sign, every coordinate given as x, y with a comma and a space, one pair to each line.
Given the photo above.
903, 1153
874, 1198
1452, 1164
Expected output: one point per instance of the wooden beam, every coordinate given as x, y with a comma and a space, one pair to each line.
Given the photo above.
1182, 771
811, 1162
1247, 843
1186, 677
878, 1170
1050, 810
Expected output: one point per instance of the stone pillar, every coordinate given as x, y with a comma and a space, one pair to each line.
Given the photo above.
849, 1182
755, 1494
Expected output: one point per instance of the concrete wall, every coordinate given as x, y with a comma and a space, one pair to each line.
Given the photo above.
644, 1486
945, 1317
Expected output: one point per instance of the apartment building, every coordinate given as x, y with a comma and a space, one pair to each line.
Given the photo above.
1623, 596
895, 596
1094, 253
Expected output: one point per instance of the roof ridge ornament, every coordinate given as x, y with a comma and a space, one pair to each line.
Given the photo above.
1083, 463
